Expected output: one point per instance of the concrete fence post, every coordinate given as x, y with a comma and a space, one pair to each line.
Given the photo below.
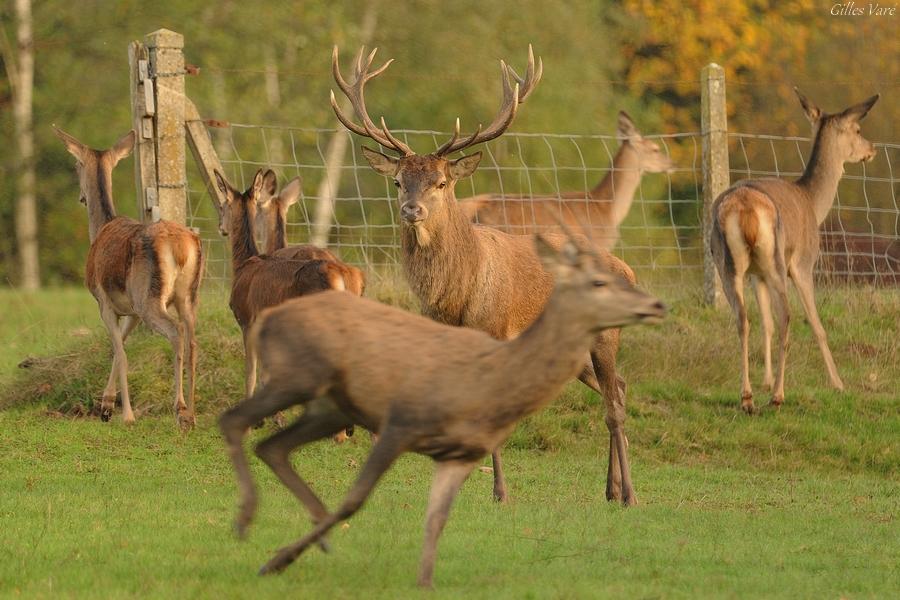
716, 176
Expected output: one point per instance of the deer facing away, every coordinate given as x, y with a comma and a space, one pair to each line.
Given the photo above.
603, 208
475, 276
262, 281
459, 401
770, 228
136, 271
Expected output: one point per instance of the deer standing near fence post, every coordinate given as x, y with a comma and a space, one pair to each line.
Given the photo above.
262, 281
456, 395
271, 227
474, 276
770, 228
136, 271
602, 208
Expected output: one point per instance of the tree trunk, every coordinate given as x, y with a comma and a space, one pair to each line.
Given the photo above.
26, 211
334, 157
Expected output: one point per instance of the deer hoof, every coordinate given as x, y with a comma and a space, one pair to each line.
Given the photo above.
105, 414
747, 403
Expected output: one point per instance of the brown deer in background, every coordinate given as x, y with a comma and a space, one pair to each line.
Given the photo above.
136, 271
603, 208
770, 228
475, 276
457, 400
271, 227
261, 281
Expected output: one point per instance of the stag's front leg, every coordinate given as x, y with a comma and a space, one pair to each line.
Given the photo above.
389, 446
448, 478
500, 493
618, 485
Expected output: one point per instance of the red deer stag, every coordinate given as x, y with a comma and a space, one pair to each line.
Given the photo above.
476, 276
769, 228
460, 399
136, 271
602, 208
261, 281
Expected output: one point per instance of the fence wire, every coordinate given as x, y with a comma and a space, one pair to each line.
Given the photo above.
660, 238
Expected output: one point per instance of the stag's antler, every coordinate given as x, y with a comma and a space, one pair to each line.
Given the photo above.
355, 93
512, 97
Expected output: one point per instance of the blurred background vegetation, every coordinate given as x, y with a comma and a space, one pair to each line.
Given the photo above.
269, 63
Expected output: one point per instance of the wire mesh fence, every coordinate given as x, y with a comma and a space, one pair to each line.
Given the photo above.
660, 238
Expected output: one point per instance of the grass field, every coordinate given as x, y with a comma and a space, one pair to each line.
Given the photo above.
803, 502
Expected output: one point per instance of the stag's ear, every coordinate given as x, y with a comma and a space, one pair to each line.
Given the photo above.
222, 185
123, 147
626, 128
75, 148
857, 112
290, 193
383, 164
465, 166
813, 112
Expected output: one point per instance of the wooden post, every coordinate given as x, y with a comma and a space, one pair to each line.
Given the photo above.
716, 176
167, 70
202, 149
143, 108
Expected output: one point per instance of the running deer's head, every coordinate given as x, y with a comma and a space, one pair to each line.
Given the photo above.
650, 157
838, 134
590, 294
425, 182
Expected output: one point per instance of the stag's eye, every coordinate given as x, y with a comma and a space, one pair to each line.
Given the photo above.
442, 185
599, 283
396, 183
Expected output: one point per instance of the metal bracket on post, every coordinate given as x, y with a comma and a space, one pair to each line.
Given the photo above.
716, 175
143, 107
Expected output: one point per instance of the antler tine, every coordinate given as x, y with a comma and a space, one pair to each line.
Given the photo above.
355, 93
394, 141
532, 76
451, 141
512, 97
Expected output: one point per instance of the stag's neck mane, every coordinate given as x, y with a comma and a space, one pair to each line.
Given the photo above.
442, 261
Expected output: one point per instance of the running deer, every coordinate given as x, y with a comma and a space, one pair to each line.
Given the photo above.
261, 281
458, 400
770, 228
475, 276
136, 271
603, 208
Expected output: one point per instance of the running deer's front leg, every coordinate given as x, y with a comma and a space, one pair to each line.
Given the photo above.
448, 478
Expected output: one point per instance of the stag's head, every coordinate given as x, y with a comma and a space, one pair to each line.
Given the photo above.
425, 182
650, 157
590, 293
839, 134
238, 210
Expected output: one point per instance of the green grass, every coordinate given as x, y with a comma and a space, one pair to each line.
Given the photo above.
797, 503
